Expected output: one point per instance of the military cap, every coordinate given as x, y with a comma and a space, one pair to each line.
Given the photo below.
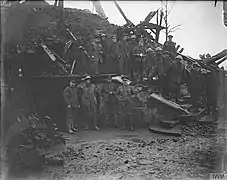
118, 79
125, 34
72, 81
158, 49
114, 36
179, 57
87, 78
149, 50
133, 37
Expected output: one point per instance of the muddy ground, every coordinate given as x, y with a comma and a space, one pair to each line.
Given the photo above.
142, 155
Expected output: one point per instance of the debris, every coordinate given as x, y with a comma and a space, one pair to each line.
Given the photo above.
161, 157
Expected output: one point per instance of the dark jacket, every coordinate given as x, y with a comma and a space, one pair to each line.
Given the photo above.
123, 49
70, 96
170, 47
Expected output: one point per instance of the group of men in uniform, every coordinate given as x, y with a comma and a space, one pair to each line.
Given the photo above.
128, 55
131, 56
111, 100
109, 55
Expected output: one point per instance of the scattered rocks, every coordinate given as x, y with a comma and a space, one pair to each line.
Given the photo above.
162, 158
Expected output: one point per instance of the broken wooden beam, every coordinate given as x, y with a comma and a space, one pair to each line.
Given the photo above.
216, 57
221, 61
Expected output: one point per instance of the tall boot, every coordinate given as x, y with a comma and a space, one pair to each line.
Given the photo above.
95, 123
74, 128
87, 120
69, 128
130, 120
125, 122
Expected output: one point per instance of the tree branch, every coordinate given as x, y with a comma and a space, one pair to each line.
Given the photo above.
170, 31
171, 7
177, 26
164, 4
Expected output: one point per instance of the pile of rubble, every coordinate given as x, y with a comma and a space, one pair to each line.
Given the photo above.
30, 141
39, 20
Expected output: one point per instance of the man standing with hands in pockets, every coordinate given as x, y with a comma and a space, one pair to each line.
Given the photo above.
71, 98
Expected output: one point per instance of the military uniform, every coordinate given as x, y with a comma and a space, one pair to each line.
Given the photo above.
173, 78
159, 68
71, 98
89, 101
110, 102
131, 46
113, 63
97, 51
125, 104
123, 53
170, 47
138, 62
106, 48
149, 63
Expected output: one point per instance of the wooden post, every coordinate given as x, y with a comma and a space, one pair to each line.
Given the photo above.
157, 31
157, 17
166, 20
161, 17
157, 35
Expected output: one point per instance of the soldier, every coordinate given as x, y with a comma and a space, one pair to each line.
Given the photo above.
113, 63
149, 63
170, 46
159, 61
139, 52
194, 84
123, 53
177, 73
124, 93
97, 53
71, 98
110, 106
89, 101
132, 45
106, 42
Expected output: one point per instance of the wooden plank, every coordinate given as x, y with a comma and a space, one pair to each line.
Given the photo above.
174, 132
153, 26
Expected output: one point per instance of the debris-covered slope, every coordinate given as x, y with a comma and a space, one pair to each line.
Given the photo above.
30, 21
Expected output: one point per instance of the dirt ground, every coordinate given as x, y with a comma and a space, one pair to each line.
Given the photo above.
113, 154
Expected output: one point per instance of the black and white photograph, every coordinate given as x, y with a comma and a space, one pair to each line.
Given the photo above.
113, 90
